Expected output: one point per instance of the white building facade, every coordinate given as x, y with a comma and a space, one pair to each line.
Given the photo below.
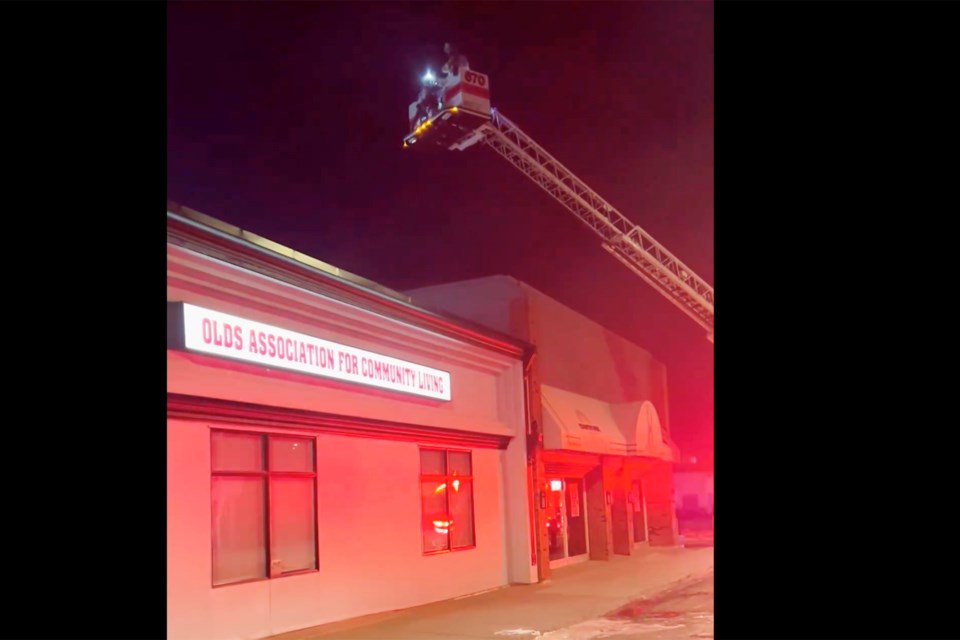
333, 450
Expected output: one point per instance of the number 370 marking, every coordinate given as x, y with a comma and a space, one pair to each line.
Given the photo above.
472, 77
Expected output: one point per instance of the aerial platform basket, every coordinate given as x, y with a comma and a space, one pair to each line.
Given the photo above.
464, 109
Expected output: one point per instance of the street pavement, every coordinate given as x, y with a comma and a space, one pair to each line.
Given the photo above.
684, 612
654, 593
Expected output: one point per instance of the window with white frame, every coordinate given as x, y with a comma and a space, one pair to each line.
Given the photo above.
263, 490
446, 492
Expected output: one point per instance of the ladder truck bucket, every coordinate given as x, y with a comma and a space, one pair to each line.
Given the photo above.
464, 108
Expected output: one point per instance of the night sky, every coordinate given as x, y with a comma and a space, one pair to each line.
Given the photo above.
287, 119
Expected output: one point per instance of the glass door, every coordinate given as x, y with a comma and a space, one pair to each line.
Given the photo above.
639, 512
556, 519
566, 518
576, 517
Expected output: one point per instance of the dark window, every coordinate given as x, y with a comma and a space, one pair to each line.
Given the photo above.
264, 506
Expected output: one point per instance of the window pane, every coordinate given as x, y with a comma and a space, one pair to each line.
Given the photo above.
432, 462
435, 517
236, 451
239, 529
459, 462
291, 454
461, 512
293, 536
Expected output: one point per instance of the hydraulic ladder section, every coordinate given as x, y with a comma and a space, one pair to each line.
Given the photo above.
627, 242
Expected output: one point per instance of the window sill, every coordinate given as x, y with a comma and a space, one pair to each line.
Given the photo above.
441, 552
278, 577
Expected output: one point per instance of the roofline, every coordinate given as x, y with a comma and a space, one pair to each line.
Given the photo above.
276, 247
212, 237
526, 289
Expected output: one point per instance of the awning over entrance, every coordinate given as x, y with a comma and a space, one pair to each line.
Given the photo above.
579, 423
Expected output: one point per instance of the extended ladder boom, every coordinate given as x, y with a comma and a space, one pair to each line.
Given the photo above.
624, 240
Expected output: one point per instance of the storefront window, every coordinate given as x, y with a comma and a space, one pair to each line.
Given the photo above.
264, 499
446, 492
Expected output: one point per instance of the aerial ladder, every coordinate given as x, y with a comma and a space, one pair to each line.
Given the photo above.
458, 115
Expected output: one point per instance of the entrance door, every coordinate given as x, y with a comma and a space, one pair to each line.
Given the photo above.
639, 513
566, 519
556, 519
576, 517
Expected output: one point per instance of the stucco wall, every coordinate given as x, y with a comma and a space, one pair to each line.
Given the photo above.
368, 526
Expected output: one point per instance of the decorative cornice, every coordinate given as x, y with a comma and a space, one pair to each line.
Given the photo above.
187, 407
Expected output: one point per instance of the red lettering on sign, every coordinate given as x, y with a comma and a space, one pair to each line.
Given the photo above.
222, 335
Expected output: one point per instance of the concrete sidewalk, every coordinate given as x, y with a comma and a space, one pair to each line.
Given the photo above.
574, 594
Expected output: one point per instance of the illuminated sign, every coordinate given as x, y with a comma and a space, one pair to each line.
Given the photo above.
220, 334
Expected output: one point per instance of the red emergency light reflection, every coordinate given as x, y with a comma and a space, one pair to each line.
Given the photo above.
455, 483
442, 526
